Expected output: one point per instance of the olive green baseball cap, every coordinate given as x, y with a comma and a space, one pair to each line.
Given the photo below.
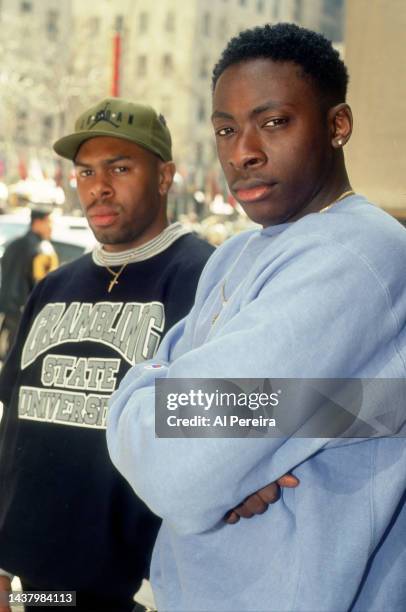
119, 118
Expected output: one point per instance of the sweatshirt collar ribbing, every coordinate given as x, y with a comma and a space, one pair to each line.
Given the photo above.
155, 246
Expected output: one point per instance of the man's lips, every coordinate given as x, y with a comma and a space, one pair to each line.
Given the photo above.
251, 191
102, 216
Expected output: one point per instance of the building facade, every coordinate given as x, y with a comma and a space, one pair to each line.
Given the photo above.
375, 54
34, 46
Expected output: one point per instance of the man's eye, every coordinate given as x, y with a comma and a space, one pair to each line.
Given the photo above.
120, 169
224, 131
275, 122
83, 173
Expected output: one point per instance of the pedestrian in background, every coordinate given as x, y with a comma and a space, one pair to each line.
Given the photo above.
26, 261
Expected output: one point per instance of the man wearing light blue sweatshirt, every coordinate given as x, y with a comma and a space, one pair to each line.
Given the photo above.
318, 292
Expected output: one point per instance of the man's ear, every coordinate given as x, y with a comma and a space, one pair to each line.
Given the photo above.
340, 122
166, 173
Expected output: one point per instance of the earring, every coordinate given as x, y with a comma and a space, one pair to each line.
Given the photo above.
340, 142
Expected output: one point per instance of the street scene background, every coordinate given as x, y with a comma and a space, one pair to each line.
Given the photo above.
60, 56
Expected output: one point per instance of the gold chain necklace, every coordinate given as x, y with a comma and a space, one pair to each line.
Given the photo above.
345, 194
115, 275
224, 300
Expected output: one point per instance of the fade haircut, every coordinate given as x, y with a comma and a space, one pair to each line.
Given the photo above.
287, 42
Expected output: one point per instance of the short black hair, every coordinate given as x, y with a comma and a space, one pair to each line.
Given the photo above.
40, 212
287, 42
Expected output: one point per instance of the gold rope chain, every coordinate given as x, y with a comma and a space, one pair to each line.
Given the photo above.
224, 300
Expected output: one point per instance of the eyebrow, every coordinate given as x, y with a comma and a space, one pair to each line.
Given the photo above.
107, 162
266, 106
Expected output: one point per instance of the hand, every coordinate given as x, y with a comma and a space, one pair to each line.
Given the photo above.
5, 587
258, 502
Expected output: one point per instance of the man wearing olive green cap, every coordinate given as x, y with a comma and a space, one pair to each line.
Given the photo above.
68, 520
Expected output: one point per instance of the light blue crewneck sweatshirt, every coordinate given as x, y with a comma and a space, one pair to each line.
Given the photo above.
322, 297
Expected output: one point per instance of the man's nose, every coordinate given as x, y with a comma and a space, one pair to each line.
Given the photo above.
247, 151
101, 186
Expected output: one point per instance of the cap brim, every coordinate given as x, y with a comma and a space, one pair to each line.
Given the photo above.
68, 146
